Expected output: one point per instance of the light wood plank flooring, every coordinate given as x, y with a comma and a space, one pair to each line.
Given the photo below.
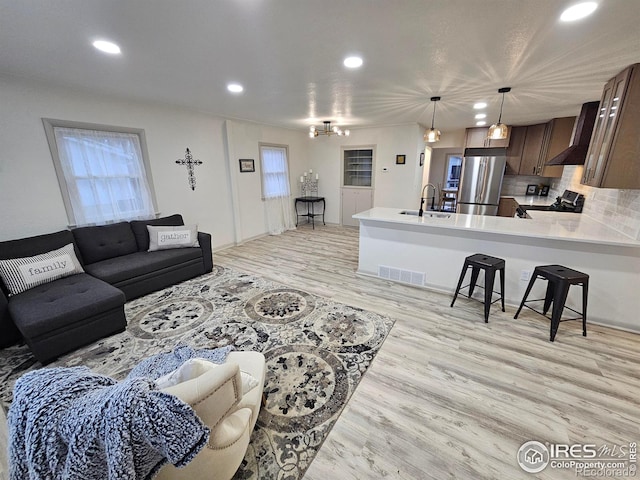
449, 396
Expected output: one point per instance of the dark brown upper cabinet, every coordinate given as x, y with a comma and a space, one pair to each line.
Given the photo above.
532, 146
613, 158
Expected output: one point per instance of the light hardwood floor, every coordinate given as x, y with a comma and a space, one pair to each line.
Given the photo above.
449, 396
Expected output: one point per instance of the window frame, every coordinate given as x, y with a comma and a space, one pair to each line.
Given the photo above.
288, 172
51, 123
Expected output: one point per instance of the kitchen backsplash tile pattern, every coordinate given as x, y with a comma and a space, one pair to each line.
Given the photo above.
517, 184
620, 209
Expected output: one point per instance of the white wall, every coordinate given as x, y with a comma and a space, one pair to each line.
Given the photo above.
398, 186
439, 163
29, 191
452, 139
243, 142
29, 188
225, 203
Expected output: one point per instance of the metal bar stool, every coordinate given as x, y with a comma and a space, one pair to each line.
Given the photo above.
448, 198
489, 264
559, 280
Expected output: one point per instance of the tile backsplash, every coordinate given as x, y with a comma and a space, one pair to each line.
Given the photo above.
619, 209
517, 184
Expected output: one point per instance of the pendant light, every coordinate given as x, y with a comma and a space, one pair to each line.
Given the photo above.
499, 131
432, 135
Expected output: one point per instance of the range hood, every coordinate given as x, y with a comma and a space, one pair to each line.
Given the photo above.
582, 129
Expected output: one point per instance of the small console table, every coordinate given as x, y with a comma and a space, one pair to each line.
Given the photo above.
311, 214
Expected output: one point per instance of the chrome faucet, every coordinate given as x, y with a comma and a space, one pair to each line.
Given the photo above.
422, 197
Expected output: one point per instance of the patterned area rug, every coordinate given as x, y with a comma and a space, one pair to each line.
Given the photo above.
316, 350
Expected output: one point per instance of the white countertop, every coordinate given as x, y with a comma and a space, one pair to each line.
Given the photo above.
574, 227
531, 199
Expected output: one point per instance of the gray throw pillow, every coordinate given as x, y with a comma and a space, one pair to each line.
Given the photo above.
162, 238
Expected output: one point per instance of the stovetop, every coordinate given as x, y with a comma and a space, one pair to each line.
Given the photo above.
569, 202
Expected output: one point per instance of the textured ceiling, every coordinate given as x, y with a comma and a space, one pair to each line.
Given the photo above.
288, 55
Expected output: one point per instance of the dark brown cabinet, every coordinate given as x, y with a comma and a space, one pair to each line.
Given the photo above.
557, 139
532, 150
514, 151
613, 158
477, 138
507, 207
534, 145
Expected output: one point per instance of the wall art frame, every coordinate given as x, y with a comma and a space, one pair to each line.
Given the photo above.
247, 165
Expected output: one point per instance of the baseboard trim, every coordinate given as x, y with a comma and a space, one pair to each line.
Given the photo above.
235, 244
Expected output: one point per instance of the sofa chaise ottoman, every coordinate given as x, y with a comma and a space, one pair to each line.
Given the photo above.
61, 315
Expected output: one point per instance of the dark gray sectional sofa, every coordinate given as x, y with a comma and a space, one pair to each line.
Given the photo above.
62, 315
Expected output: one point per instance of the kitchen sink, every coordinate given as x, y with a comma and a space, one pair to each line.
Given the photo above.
426, 214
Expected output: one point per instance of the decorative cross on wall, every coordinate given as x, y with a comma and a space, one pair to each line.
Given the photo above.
190, 162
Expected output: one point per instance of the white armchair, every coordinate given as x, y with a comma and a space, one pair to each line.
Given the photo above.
216, 394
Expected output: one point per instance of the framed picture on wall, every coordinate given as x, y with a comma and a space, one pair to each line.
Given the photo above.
401, 159
247, 165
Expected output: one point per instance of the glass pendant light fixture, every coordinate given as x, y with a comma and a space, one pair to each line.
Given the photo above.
499, 131
432, 135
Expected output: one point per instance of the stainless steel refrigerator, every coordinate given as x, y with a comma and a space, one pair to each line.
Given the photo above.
481, 181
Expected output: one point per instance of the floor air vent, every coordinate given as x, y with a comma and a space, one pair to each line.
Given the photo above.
399, 275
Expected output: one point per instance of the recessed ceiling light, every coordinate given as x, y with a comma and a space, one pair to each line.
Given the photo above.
479, 105
353, 62
235, 88
481, 123
578, 11
107, 47
480, 116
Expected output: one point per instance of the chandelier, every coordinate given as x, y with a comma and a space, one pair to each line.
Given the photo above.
327, 130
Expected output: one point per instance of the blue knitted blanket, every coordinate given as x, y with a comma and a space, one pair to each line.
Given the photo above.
69, 423
158, 365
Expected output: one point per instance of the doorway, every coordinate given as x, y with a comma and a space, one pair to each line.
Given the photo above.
452, 171
449, 192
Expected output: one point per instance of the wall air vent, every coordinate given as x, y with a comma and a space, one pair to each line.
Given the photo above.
399, 275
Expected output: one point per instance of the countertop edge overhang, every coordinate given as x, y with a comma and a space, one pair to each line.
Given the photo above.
566, 227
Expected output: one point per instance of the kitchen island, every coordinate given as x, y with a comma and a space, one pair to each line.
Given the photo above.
429, 251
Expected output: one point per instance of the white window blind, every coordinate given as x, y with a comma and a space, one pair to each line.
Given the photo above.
275, 172
103, 175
